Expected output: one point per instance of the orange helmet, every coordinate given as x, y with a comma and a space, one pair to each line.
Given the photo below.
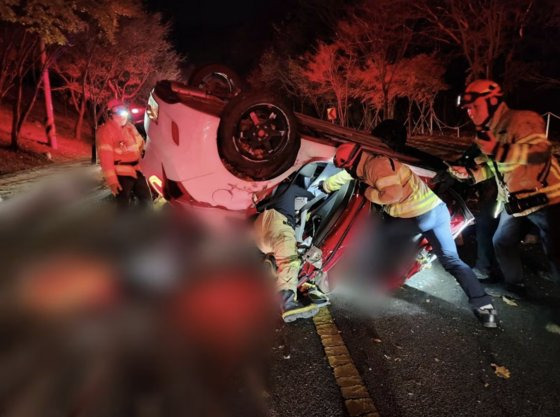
346, 155
488, 89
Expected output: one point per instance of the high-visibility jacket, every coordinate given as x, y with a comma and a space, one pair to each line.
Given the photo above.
523, 156
391, 184
119, 149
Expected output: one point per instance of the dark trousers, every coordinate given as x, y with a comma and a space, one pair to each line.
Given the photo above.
510, 232
133, 187
486, 225
435, 225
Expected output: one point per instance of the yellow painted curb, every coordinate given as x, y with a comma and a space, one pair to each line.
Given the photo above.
357, 400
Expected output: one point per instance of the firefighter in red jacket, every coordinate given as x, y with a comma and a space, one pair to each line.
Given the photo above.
517, 153
120, 147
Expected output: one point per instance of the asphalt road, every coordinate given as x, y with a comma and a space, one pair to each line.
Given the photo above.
421, 352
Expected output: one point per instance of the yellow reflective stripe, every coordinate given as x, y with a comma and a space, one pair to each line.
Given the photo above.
555, 169
553, 195
532, 139
505, 167
388, 181
524, 154
422, 208
549, 188
513, 154
414, 207
105, 147
132, 148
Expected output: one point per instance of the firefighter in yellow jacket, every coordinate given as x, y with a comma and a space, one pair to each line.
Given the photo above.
120, 147
415, 209
518, 155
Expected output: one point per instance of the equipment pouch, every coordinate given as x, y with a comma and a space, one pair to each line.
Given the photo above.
518, 205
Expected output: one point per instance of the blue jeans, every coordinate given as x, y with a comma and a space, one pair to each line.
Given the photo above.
435, 226
510, 232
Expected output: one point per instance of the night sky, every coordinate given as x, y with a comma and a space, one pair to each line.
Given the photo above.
235, 33
227, 32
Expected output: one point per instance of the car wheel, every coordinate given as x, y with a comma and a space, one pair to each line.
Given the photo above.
257, 137
217, 80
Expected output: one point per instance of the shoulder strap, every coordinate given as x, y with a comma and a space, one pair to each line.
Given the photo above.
543, 175
499, 176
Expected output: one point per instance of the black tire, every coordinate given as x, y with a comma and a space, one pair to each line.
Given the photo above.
258, 137
217, 80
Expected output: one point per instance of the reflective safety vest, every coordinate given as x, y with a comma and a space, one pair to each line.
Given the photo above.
119, 149
523, 157
391, 184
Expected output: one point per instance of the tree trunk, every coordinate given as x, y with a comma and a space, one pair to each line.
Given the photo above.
390, 109
409, 120
50, 126
80, 122
16, 115
93, 131
21, 113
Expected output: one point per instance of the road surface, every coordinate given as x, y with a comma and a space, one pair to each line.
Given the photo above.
416, 352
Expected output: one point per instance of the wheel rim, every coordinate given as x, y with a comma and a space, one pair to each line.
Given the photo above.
262, 132
218, 84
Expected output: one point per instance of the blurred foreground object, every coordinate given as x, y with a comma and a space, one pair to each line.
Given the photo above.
139, 313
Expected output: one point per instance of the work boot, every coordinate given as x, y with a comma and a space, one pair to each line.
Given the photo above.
314, 294
292, 309
487, 315
481, 275
513, 291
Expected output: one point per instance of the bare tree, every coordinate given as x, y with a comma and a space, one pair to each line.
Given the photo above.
50, 22
327, 70
23, 61
126, 68
419, 81
485, 31
287, 75
380, 33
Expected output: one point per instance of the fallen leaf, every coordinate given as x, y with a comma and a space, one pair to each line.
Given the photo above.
553, 328
501, 371
509, 301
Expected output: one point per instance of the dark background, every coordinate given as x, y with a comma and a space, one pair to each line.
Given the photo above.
236, 32
233, 32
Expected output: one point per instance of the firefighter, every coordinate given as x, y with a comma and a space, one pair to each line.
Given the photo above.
413, 208
120, 147
275, 235
517, 153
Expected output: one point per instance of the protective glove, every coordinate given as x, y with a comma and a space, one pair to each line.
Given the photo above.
115, 188
459, 172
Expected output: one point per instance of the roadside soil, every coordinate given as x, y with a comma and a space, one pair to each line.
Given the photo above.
34, 150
